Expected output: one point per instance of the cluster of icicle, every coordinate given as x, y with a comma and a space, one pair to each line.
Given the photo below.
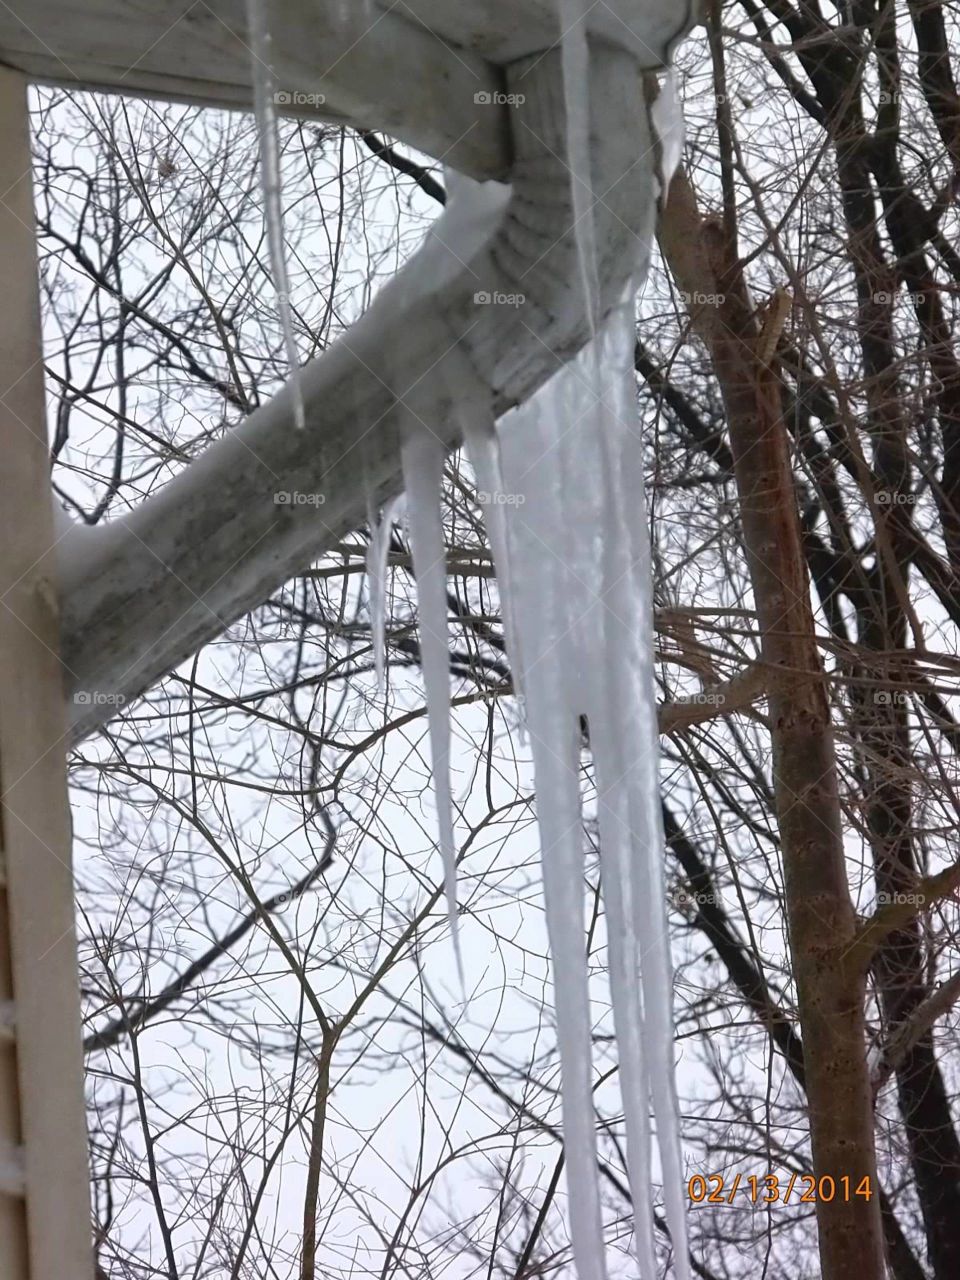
573, 565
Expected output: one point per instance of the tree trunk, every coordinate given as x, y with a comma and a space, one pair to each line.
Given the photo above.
819, 910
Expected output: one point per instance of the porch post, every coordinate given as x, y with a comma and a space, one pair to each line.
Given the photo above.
44, 1183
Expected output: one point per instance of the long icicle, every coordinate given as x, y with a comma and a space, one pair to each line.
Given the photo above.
614, 745
633, 716
270, 183
657, 968
532, 443
575, 61
666, 119
626, 753
422, 457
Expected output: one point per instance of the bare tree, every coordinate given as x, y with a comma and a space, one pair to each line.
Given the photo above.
284, 1078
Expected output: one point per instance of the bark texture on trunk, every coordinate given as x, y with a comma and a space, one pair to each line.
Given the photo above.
820, 913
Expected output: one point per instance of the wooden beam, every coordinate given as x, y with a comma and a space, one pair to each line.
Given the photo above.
45, 1224
348, 63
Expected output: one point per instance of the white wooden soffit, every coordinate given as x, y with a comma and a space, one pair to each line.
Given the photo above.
142, 596
425, 71
390, 74
504, 30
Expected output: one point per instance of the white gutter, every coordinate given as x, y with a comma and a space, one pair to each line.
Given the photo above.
142, 595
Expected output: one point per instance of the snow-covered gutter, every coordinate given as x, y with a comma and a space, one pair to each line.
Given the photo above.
495, 288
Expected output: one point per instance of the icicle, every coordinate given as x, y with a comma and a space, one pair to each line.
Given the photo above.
264, 106
531, 436
613, 619
585, 646
581, 572
575, 61
666, 116
483, 449
622, 707
472, 403
378, 550
422, 456
623, 944
647, 824
573, 565
629, 732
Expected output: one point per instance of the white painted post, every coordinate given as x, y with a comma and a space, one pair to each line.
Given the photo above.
44, 1180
